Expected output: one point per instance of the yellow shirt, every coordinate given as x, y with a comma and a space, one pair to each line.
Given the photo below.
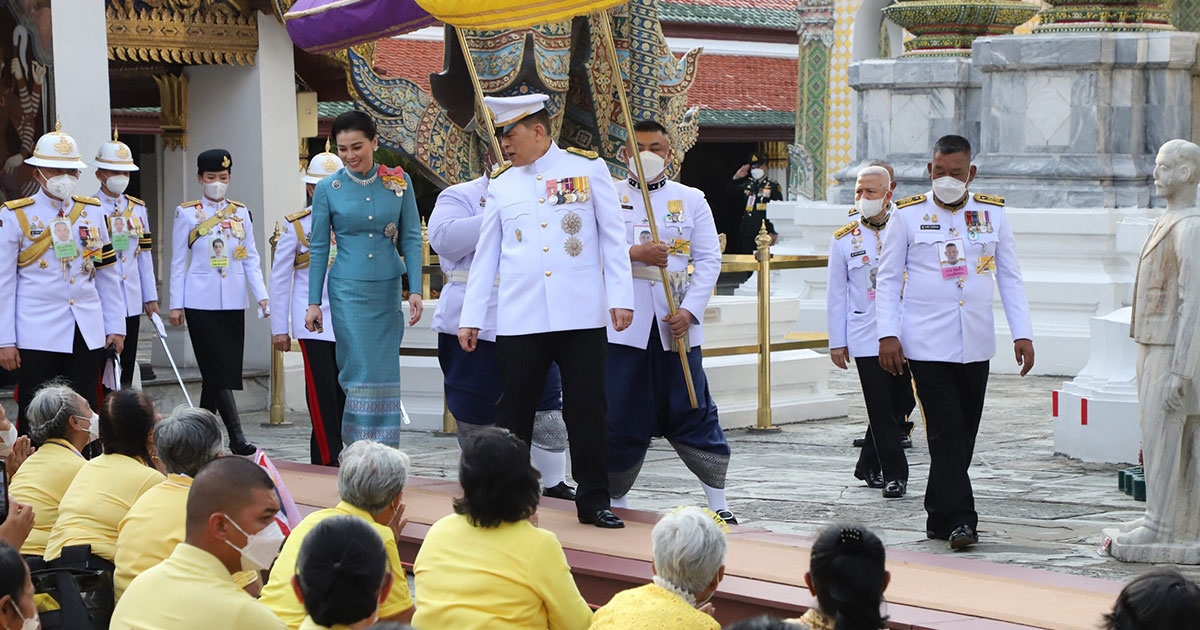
309, 624
99, 497
41, 482
190, 590
651, 607
280, 597
512, 576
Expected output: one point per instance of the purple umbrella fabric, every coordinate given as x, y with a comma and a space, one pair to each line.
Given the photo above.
319, 26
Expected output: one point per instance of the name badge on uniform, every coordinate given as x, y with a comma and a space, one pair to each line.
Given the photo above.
120, 241
642, 234
64, 245
950, 257
871, 283
674, 211
217, 257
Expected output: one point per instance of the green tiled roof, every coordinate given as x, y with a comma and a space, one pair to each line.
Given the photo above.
744, 118
700, 14
332, 109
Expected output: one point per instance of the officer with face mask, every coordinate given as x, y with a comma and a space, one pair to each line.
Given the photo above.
129, 226
753, 191
63, 303
944, 325
208, 287
644, 382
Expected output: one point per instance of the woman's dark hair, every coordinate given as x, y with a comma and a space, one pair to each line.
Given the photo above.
12, 572
1160, 598
354, 120
499, 484
848, 574
126, 420
763, 622
341, 567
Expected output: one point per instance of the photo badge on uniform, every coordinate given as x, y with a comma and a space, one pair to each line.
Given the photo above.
120, 233
642, 233
950, 257
64, 245
217, 256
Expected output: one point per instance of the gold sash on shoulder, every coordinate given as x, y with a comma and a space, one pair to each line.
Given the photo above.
204, 225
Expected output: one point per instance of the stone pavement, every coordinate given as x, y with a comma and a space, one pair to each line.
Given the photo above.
1036, 509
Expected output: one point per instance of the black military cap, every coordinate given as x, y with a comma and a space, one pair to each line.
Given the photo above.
757, 158
214, 160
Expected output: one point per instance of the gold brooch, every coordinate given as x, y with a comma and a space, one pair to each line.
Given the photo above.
225, 162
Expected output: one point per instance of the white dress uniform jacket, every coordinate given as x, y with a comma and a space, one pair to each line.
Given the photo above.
562, 265
135, 265
195, 282
49, 304
942, 319
289, 281
686, 226
454, 234
850, 308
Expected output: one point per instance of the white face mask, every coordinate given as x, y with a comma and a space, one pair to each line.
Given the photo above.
869, 207
757, 173
117, 184
949, 189
261, 548
32, 623
215, 190
62, 186
652, 165
9, 435
93, 428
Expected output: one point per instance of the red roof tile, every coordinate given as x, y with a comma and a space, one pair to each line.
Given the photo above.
745, 83
409, 59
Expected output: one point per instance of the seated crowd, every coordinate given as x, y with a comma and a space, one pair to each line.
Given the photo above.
188, 535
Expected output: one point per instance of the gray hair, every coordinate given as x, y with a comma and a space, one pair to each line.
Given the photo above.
877, 171
51, 410
187, 440
371, 475
688, 548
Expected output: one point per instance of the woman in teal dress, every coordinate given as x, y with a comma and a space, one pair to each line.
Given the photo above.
372, 213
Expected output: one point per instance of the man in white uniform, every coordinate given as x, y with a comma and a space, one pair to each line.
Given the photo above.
944, 326
63, 304
129, 231
552, 230
289, 294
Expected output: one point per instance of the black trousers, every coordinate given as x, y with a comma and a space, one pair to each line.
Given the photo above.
129, 352
326, 400
952, 401
81, 368
524, 360
889, 401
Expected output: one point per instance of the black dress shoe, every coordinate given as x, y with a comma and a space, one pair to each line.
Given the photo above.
560, 491
874, 478
243, 448
895, 489
905, 442
727, 516
932, 535
859, 442
962, 537
603, 518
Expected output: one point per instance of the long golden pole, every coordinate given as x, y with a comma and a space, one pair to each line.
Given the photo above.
484, 111
681, 344
763, 253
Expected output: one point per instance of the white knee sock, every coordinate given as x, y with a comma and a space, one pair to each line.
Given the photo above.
620, 502
716, 497
553, 466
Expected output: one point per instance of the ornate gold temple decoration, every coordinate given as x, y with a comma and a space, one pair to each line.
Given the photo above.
183, 31
947, 27
173, 92
1075, 16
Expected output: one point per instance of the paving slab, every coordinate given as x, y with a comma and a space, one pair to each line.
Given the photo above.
1037, 509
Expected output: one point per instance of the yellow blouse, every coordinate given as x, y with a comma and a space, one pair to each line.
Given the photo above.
651, 607
514, 576
99, 497
41, 482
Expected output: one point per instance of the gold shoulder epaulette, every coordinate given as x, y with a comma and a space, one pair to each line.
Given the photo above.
13, 204
909, 201
989, 199
135, 200
852, 212
845, 229
91, 201
237, 203
296, 216
499, 170
191, 204
591, 155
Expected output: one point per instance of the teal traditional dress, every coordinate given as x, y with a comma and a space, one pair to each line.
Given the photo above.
374, 220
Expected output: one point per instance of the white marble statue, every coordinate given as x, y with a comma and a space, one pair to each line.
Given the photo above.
1166, 326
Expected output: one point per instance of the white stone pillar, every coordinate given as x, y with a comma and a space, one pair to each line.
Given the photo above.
81, 79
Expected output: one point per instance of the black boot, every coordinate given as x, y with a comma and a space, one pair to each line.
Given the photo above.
233, 424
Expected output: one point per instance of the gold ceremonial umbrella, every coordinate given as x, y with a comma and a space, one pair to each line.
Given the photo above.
502, 14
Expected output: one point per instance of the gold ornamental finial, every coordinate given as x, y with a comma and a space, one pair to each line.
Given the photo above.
57, 125
327, 145
115, 135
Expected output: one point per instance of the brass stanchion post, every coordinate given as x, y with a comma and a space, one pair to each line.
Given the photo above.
277, 418
425, 279
763, 254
